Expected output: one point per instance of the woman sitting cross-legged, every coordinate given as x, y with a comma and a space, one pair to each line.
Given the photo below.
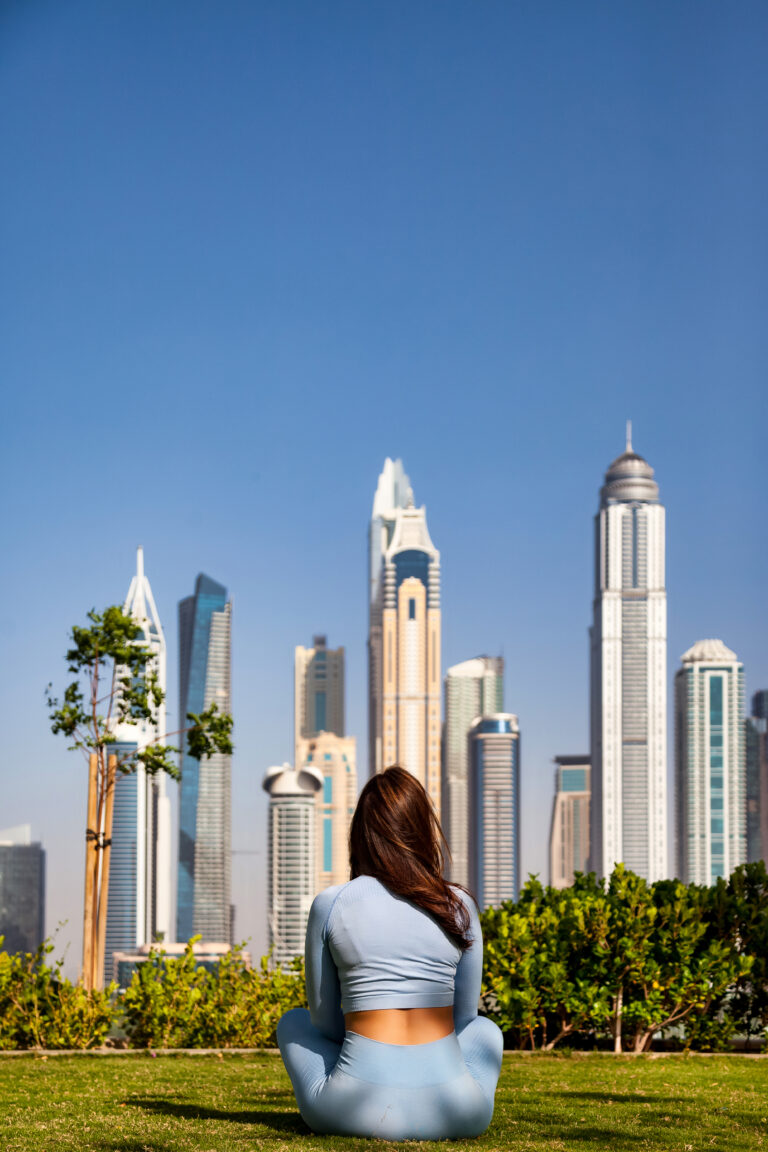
392, 1045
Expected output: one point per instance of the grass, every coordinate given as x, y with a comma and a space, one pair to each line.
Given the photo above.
234, 1103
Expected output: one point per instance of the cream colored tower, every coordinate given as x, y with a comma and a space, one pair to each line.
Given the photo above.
334, 757
410, 650
318, 691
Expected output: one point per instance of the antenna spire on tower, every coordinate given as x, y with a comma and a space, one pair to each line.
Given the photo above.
629, 436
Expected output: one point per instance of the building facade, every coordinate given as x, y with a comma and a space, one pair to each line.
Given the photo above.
335, 758
22, 890
139, 903
494, 809
473, 688
756, 734
291, 849
628, 679
318, 691
710, 776
569, 831
404, 635
205, 809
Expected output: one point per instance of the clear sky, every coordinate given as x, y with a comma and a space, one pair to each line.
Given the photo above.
250, 249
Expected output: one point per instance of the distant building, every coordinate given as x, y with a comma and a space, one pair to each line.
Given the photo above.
757, 777
569, 832
473, 688
291, 872
207, 955
139, 904
335, 758
628, 692
205, 815
710, 777
494, 809
404, 634
22, 890
318, 691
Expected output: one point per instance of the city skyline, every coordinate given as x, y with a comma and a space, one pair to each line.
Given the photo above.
210, 348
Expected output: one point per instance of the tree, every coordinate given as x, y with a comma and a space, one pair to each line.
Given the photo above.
115, 684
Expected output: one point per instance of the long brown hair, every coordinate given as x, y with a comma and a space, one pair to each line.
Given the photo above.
396, 837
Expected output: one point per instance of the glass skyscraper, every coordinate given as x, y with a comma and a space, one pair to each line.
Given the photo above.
710, 777
628, 682
494, 809
205, 839
756, 731
139, 904
404, 634
22, 890
473, 688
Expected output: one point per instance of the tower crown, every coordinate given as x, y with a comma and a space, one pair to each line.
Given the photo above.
629, 477
708, 652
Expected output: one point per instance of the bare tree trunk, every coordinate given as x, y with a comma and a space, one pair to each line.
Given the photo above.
619, 1004
101, 936
91, 863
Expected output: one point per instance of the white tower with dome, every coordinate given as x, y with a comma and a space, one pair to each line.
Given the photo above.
628, 683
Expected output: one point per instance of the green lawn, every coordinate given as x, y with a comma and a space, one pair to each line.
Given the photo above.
214, 1104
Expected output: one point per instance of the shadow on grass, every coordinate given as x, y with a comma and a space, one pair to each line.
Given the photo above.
283, 1122
614, 1097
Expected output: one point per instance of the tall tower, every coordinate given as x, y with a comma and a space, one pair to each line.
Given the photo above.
291, 879
628, 641
569, 832
22, 890
405, 638
494, 809
710, 778
318, 691
756, 730
139, 904
391, 494
205, 816
473, 688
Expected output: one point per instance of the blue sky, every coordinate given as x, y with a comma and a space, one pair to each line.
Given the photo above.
251, 249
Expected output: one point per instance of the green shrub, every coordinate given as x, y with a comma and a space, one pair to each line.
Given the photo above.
174, 1003
40, 1009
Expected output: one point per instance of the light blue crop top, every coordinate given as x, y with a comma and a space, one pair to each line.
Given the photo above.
369, 949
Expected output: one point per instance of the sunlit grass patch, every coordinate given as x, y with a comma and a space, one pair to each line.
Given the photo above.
223, 1104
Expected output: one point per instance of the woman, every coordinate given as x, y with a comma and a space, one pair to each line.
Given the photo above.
399, 952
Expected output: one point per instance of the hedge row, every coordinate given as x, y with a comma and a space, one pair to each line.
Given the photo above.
621, 960
626, 961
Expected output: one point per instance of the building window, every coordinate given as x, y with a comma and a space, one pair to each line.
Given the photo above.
328, 790
327, 844
321, 723
411, 609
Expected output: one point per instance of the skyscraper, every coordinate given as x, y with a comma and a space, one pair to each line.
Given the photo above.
710, 781
628, 641
569, 832
22, 890
139, 903
291, 869
335, 758
473, 688
404, 634
494, 808
318, 691
756, 733
205, 841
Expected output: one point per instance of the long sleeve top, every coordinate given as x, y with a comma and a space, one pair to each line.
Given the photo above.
367, 948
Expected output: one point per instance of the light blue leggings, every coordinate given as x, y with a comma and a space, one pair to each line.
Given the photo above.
438, 1091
